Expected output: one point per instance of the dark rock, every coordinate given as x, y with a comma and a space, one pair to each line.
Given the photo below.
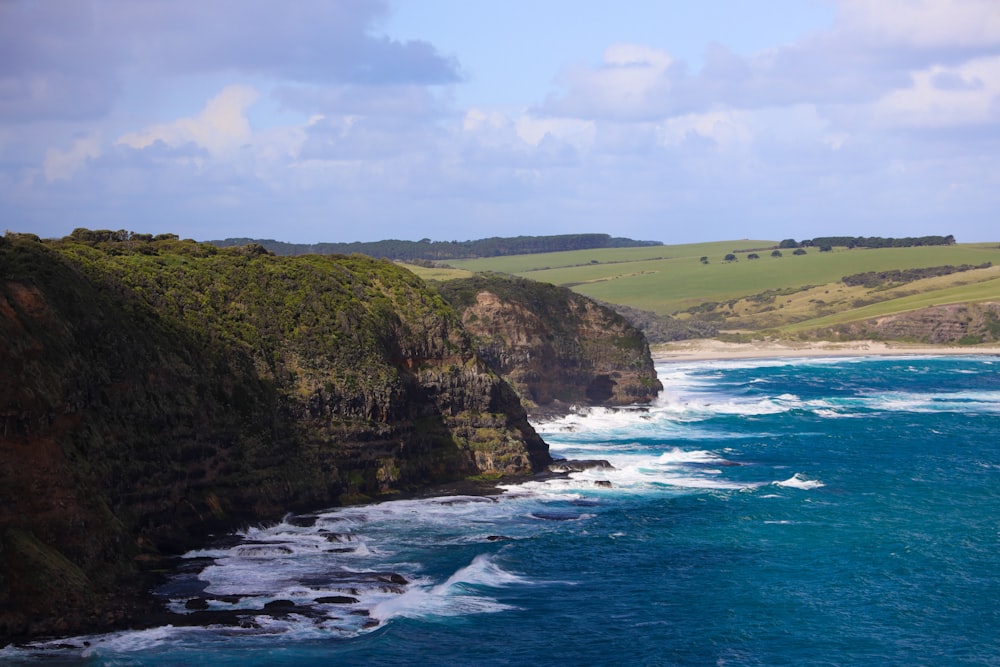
196, 603
568, 466
602, 483
338, 537
302, 521
279, 604
336, 599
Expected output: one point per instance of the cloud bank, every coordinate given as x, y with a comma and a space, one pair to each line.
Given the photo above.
303, 122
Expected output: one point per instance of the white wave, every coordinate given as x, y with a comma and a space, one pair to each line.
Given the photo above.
481, 571
685, 370
986, 402
91, 646
671, 418
799, 481
678, 455
828, 413
453, 597
675, 470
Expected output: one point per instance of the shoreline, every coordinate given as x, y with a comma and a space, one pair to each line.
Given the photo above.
710, 349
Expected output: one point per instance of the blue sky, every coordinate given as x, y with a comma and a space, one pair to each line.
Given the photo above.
345, 120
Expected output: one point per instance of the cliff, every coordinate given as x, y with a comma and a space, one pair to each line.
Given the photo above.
959, 323
153, 391
556, 347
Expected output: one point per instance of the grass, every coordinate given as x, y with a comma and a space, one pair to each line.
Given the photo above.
986, 290
520, 264
668, 279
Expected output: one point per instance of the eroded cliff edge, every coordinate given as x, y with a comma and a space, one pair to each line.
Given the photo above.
559, 349
153, 391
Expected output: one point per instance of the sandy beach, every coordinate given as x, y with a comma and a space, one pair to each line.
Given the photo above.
710, 349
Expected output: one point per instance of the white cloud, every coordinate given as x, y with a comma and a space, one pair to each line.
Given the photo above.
725, 128
797, 134
632, 82
968, 94
62, 164
478, 120
533, 130
221, 127
923, 24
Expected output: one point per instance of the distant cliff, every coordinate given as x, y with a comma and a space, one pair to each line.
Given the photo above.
556, 347
951, 324
153, 391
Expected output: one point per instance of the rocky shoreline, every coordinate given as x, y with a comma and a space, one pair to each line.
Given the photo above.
168, 578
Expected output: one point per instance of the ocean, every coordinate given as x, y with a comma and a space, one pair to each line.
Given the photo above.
766, 512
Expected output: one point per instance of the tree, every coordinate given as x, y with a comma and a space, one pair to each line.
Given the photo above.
825, 248
799, 251
730, 257
788, 243
776, 253
753, 255
704, 259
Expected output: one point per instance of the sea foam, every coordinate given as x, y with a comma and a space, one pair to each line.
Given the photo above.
799, 481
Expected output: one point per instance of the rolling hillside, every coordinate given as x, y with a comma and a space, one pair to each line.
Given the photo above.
789, 295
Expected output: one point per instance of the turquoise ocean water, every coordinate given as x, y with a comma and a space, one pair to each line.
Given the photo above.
767, 512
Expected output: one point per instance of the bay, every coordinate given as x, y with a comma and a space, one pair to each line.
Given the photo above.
765, 512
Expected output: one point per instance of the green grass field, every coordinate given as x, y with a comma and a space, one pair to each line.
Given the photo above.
667, 279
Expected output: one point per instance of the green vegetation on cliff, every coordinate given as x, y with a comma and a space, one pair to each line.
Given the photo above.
154, 390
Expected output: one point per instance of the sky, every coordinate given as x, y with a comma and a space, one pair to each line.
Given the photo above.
360, 120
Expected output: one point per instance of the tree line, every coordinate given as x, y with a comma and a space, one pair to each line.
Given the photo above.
425, 249
868, 242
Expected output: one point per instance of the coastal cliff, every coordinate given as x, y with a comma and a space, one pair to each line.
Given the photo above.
950, 324
556, 347
155, 391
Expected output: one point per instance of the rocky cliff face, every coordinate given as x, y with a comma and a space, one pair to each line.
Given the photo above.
963, 323
153, 391
557, 348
